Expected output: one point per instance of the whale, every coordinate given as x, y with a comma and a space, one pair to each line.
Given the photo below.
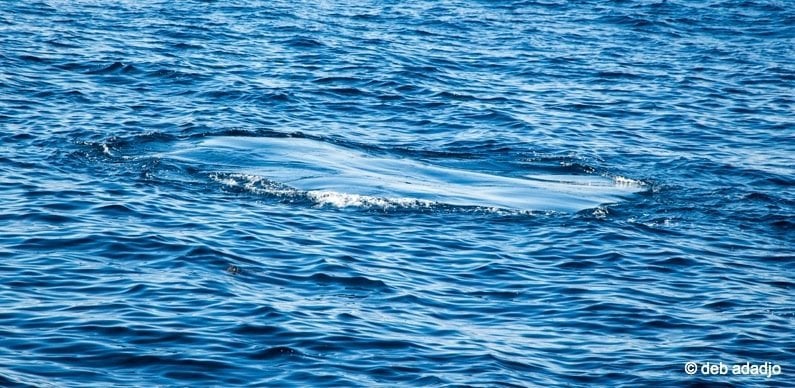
346, 176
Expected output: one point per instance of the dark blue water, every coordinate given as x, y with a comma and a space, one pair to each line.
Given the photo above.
390, 193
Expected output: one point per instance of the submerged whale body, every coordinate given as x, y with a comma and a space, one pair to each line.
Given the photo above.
322, 170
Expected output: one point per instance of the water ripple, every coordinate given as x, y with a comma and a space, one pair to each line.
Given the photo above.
154, 229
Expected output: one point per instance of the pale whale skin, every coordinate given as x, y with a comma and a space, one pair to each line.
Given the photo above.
315, 166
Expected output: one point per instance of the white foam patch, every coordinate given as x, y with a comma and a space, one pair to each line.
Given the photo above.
355, 200
259, 185
627, 182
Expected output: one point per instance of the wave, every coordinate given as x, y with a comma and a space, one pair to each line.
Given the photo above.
339, 176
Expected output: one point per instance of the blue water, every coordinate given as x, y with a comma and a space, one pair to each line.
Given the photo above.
378, 193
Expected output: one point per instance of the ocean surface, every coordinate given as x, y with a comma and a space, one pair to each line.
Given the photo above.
383, 193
